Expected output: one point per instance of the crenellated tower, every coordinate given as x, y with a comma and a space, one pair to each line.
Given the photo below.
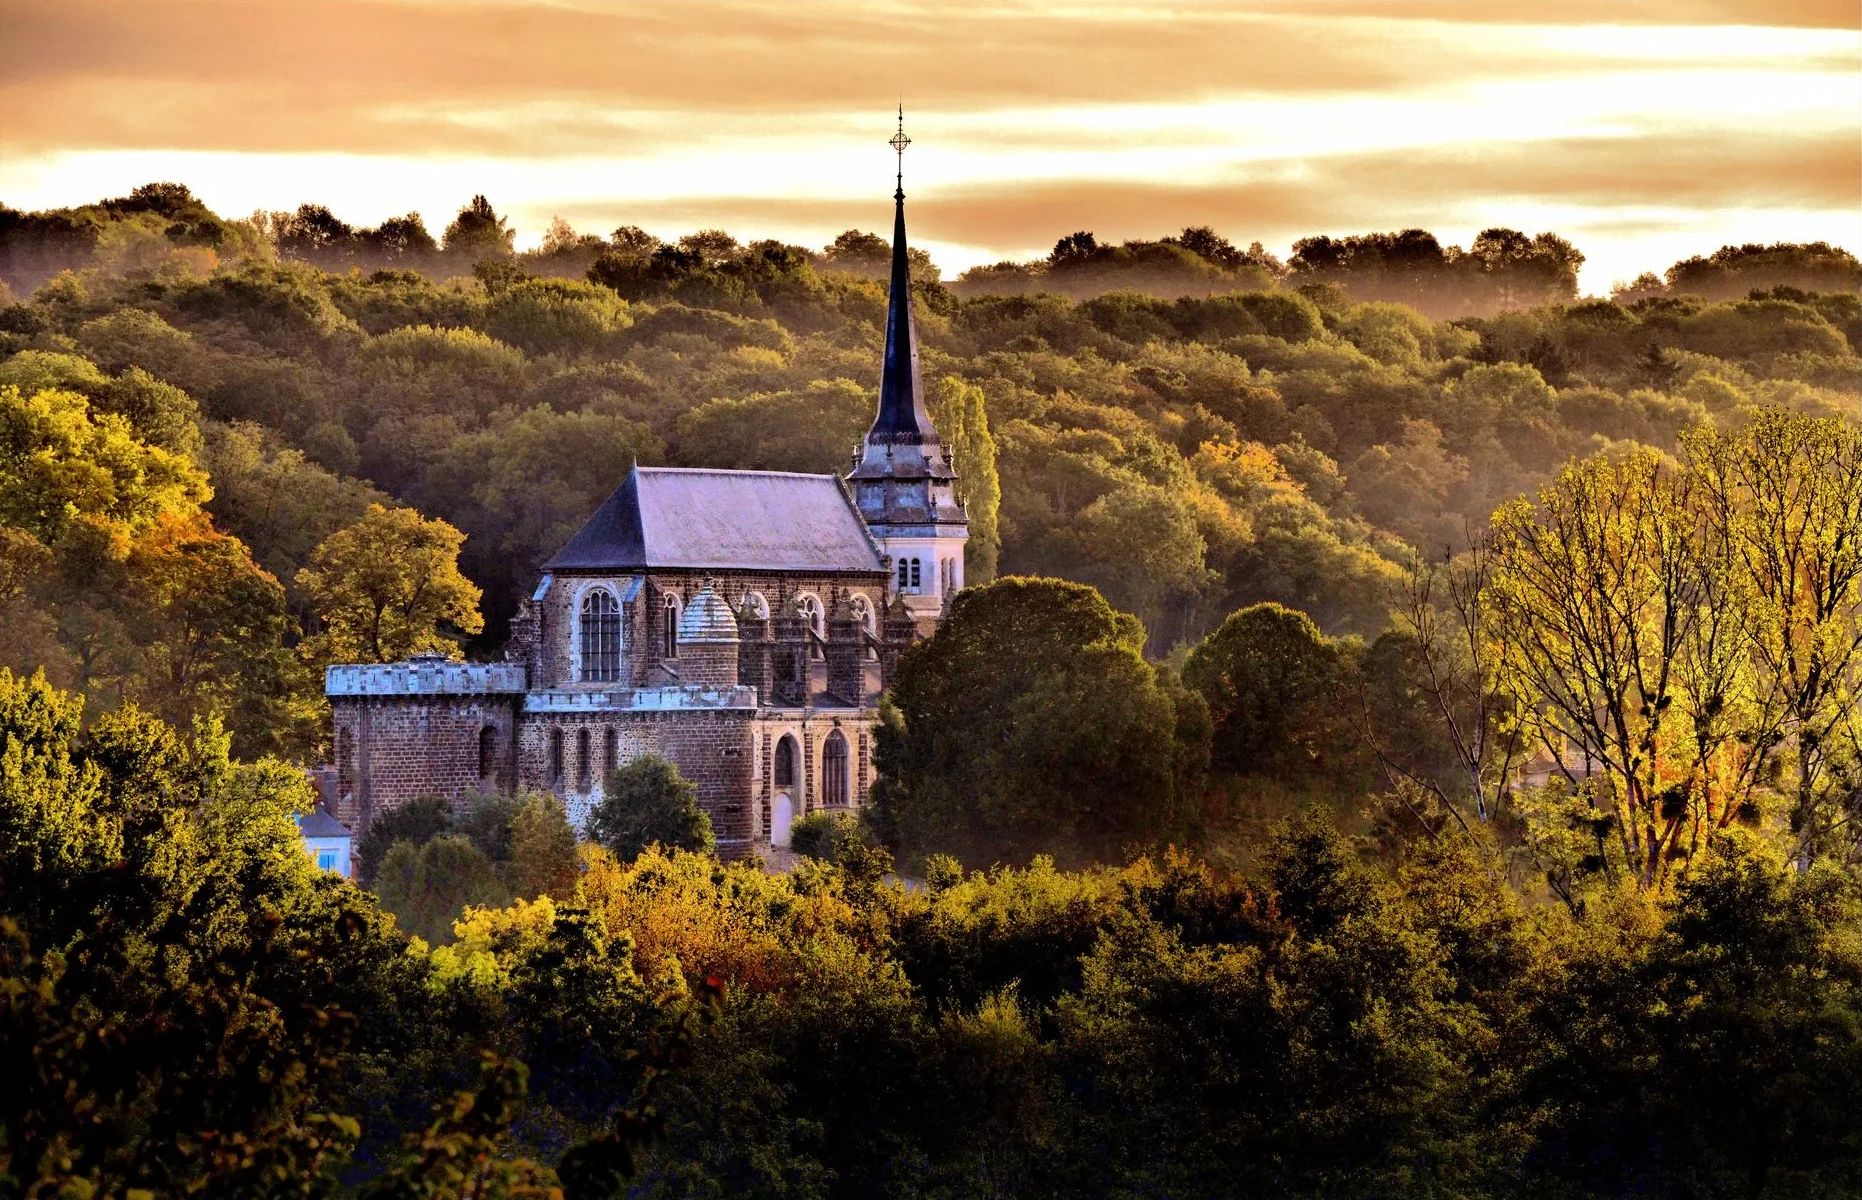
904, 483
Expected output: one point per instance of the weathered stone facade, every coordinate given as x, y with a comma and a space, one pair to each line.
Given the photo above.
740, 623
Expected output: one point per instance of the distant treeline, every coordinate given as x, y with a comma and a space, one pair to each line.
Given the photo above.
1502, 269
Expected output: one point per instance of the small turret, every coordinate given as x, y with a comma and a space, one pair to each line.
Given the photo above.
708, 640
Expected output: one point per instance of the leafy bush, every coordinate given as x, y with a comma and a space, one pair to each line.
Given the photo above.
648, 803
819, 835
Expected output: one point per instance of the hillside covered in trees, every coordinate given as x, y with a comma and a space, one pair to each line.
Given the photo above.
1291, 433
1409, 747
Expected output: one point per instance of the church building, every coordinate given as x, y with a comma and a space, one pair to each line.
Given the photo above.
739, 623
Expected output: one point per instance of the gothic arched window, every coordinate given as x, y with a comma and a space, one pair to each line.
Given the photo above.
556, 756
584, 760
811, 612
610, 750
758, 606
487, 752
834, 771
785, 762
869, 624
601, 636
669, 627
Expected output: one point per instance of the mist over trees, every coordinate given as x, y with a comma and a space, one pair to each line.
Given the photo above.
1404, 740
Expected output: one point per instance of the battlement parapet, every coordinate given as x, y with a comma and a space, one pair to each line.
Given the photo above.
425, 675
687, 698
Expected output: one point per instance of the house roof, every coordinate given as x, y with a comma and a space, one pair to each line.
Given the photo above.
319, 824
722, 520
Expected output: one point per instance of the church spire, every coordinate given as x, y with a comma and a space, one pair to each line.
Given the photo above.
902, 418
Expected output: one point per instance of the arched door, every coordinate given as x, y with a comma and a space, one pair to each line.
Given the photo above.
781, 816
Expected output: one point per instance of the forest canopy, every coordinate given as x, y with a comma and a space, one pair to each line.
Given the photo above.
1187, 427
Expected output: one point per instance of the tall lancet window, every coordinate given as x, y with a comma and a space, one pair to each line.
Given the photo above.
834, 771
669, 631
601, 636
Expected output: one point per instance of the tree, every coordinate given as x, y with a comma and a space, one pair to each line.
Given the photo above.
275, 499
478, 232
1029, 723
417, 822
382, 588
1705, 1058
428, 887
543, 861
962, 420
179, 982
801, 429
1618, 628
1273, 684
648, 803
1783, 498
211, 629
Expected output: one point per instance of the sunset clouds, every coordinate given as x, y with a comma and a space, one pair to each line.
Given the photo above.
1638, 130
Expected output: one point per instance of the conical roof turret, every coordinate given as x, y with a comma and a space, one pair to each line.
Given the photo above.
707, 620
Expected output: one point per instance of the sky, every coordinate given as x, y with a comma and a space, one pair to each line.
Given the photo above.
1642, 131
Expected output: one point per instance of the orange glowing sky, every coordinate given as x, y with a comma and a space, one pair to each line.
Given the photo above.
1642, 131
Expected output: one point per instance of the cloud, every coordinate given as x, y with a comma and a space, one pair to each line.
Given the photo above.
510, 77
1269, 119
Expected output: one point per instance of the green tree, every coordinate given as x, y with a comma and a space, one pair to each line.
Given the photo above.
962, 419
543, 860
178, 982
211, 632
805, 429
558, 316
427, 888
1273, 684
647, 803
1783, 495
478, 232
1029, 723
275, 499
417, 822
382, 588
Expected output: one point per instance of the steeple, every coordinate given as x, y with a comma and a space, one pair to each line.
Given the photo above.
902, 418
902, 481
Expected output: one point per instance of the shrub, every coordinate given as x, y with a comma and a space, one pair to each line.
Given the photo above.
646, 803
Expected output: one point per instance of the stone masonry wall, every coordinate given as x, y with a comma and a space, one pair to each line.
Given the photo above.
711, 747
810, 729
390, 749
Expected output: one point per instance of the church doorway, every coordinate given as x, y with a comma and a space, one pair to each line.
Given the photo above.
782, 815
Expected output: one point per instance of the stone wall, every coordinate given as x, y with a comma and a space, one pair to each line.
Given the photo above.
810, 729
711, 747
390, 749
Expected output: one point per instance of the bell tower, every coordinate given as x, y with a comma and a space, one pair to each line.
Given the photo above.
903, 482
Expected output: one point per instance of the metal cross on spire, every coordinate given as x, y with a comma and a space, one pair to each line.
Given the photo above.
899, 142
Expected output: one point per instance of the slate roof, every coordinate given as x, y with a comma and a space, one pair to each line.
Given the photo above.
319, 824
722, 520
